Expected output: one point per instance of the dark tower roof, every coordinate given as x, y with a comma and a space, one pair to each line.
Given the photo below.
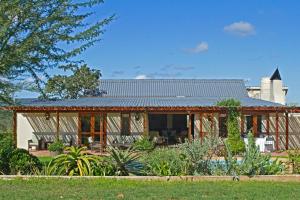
276, 75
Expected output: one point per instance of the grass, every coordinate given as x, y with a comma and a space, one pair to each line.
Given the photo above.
129, 189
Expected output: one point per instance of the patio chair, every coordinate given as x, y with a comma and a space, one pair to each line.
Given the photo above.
94, 145
32, 144
269, 144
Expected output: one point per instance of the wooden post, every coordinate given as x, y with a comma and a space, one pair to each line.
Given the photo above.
277, 132
255, 128
268, 124
242, 123
212, 119
92, 125
104, 130
146, 124
201, 126
287, 131
101, 133
79, 130
15, 128
57, 125
190, 137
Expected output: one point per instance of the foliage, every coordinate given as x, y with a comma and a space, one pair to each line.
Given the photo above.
122, 158
252, 162
56, 146
6, 149
255, 163
39, 35
144, 144
22, 162
234, 136
5, 121
294, 158
84, 81
198, 154
74, 163
164, 162
232, 167
105, 167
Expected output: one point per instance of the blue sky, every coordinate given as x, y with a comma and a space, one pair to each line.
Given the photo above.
200, 39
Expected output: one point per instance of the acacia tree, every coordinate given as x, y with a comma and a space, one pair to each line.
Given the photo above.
38, 35
83, 81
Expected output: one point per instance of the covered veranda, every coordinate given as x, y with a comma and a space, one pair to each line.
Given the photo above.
280, 123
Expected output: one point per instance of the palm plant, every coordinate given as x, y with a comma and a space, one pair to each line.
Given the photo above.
121, 159
73, 163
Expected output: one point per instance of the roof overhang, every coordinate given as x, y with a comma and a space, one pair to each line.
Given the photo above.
216, 109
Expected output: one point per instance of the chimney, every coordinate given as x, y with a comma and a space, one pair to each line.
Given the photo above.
265, 89
277, 92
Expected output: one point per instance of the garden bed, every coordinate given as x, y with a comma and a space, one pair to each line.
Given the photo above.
273, 178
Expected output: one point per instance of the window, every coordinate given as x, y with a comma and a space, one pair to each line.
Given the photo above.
125, 124
88, 129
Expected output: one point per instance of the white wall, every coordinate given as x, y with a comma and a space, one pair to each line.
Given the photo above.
34, 126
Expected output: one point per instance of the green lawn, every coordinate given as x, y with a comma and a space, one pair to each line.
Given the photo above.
125, 189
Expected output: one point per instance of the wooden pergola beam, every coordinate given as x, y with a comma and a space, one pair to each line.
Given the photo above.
201, 126
104, 130
242, 123
286, 131
101, 132
190, 128
268, 124
255, 125
277, 131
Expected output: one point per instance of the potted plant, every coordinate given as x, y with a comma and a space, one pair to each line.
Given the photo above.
56, 148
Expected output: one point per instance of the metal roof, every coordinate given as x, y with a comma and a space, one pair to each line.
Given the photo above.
143, 102
160, 93
221, 88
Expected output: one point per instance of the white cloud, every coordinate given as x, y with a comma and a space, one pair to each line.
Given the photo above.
201, 47
240, 28
141, 76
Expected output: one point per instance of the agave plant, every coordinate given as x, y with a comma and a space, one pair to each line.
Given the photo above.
74, 163
122, 158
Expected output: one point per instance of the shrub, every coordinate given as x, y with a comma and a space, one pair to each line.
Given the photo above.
163, 162
6, 149
198, 155
255, 163
143, 144
122, 158
294, 158
235, 142
56, 146
21, 162
105, 167
73, 163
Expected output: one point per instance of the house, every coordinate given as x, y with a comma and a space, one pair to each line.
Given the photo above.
169, 110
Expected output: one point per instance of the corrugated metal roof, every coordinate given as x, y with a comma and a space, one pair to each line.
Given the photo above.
161, 93
221, 88
144, 102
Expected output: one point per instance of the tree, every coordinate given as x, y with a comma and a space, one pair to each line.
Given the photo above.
236, 144
38, 35
84, 81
